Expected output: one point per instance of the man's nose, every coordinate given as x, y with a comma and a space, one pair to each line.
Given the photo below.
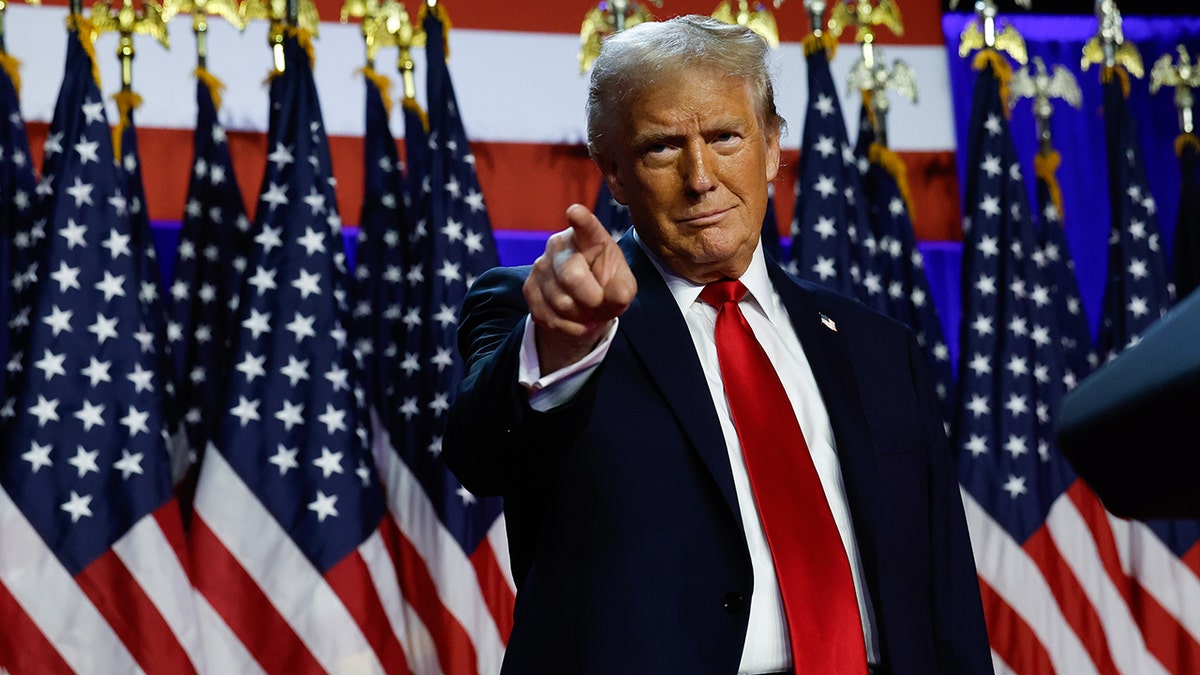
698, 167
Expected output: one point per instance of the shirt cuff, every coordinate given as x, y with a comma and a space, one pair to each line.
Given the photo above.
547, 392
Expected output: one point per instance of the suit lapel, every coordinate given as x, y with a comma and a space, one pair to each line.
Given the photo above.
829, 355
659, 336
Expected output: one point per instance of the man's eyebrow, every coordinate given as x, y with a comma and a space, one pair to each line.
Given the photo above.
652, 137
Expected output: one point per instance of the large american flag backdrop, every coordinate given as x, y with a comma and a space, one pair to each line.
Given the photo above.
326, 535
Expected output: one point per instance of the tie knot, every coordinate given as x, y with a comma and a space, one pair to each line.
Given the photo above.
720, 292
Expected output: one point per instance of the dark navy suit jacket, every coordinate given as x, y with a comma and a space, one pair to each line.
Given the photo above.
624, 534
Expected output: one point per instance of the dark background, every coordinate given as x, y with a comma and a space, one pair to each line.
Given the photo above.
1127, 8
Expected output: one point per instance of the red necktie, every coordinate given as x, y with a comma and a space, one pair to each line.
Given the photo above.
810, 560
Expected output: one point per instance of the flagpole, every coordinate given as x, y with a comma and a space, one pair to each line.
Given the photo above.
3, 8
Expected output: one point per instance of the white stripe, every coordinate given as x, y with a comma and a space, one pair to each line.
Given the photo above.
1006, 567
154, 564
419, 646
448, 565
401, 616
1075, 542
382, 569
536, 96
1163, 575
53, 601
254, 538
498, 539
999, 666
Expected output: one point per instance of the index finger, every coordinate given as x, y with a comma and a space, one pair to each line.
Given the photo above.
588, 231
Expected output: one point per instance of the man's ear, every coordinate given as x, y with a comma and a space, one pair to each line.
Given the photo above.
772, 156
612, 176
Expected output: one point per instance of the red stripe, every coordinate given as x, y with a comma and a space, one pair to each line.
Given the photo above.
1014, 640
1191, 558
1081, 616
133, 617
170, 521
496, 592
1165, 637
23, 647
562, 173
456, 652
351, 581
1093, 513
245, 608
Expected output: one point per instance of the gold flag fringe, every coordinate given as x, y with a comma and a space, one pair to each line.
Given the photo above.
86, 31
1118, 71
1185, 141
440, 12
215, 86
410, 103
12, 66
1001, 68
382, 83
127, 101
814, 43
894, 165
1045, 165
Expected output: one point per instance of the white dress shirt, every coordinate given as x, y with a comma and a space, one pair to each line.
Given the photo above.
767, 646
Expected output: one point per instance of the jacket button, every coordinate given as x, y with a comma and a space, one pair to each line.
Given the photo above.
733, 602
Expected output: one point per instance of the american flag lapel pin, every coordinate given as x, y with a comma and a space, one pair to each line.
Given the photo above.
828, 322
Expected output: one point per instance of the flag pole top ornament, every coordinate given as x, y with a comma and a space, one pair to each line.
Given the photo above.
385, 24
149, 19
606, 18
1183, 75
1108, 47
869, 74
759, 19
865, 16
1042, 86
986, 32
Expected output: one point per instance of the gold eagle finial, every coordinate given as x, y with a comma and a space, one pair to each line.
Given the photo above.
760, 20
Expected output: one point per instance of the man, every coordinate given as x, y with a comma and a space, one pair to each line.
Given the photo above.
601, 401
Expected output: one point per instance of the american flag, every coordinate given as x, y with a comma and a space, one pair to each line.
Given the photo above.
901, 265
1048, 558
150, 282
18, 183
201, 299
1187, 224
832, 242
612, 214
1053, 256
293, 555
92, 571
453, 548
134, 196
1164, 555
381, 255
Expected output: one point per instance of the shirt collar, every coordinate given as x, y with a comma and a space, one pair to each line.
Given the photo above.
686, 292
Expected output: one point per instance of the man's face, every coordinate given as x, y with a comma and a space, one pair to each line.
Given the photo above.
693, 163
